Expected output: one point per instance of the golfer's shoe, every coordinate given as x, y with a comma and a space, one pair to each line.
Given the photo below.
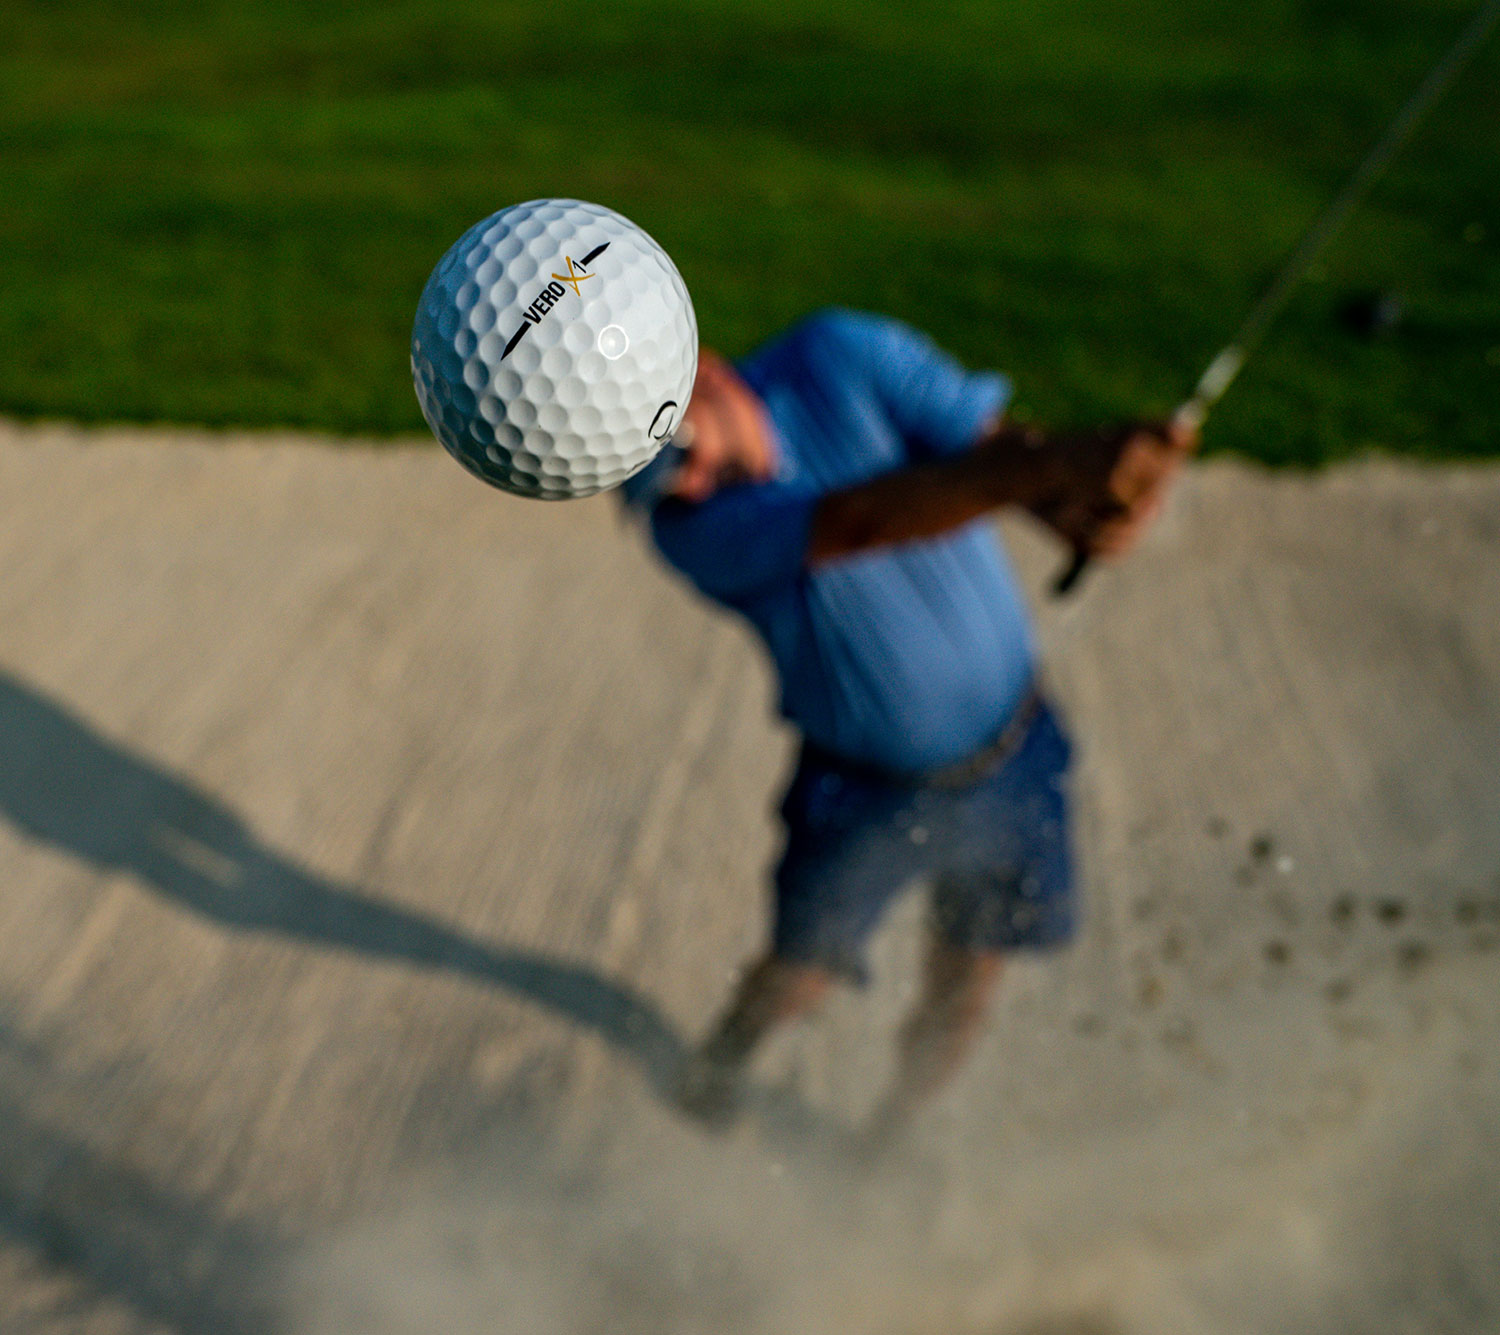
711, 1091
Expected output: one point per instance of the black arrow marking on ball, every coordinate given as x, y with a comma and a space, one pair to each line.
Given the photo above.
514, 339
593, 254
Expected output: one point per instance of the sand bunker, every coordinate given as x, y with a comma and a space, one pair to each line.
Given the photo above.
371, 843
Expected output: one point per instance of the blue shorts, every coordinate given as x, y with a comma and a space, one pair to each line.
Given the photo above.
997, 854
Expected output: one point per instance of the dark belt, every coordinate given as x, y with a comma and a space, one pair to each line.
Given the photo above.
963, 773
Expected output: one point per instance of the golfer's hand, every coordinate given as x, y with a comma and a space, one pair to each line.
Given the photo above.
724, 431
1111, 483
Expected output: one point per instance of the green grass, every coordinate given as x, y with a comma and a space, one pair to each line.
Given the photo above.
223, 212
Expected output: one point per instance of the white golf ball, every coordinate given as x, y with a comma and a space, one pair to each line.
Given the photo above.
554, 349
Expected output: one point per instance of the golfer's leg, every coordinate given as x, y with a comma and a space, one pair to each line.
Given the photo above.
846, 857
957, 986
828, 902
1015, 893
774, 992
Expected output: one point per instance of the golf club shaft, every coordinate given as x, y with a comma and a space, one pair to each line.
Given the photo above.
1221, 372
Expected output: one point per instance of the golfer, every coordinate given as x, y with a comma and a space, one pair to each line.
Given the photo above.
835, 489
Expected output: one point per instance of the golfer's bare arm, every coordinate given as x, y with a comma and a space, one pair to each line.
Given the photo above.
1095, 488
1007, 466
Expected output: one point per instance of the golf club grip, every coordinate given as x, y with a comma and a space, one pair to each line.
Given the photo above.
1190, 415
1062, 586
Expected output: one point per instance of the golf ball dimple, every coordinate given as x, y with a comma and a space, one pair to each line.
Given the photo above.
554, 349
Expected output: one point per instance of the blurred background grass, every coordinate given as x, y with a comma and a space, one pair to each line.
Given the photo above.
223, 212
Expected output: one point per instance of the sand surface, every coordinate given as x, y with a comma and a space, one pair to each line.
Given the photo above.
372, 843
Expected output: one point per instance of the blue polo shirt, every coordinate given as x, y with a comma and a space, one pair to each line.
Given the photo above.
907, 657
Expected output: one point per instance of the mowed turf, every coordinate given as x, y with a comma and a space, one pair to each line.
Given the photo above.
223, 213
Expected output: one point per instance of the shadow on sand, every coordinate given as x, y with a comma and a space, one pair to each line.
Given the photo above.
65, 785
172, 1259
